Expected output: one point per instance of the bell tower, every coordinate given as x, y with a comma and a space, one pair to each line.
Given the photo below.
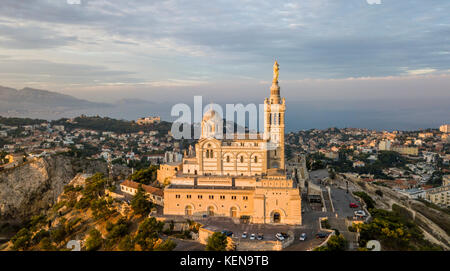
274, 109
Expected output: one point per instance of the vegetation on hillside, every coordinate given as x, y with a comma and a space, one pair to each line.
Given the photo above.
105, 124
395, 230
87, 213
370, 203
20, 121
145, 175
335, 243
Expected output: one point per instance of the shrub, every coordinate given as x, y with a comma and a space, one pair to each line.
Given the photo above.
140, 203
118, 230
335, 243
370, 203
22, 239
94, 241
325, 224
217, 242
148, 233
37, 238
126, 244
167, 245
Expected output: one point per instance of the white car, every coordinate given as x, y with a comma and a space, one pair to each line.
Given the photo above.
279, 236
244, 235
302, 237
252, 236
360, 213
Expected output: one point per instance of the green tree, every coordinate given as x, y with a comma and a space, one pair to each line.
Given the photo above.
46, 244
148, 233
118, 230
94, 241
95, 186
140, 203
37, 238
22, 239
145, 176
59, 233
335, 243
126, 244
167, 245
217, 242
100, 208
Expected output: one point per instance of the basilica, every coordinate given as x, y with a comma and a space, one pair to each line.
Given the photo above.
242, 176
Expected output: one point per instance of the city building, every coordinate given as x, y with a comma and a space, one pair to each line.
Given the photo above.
445, 180
359, 164
154, 194
439, 195
385, 145
148, 120
445, 128
425, 135
406, 150
166, 171
242, 177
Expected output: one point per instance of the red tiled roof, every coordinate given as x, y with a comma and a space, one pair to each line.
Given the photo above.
147, 188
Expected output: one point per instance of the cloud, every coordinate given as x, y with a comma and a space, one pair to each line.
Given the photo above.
29, 36
421, 71
174, 41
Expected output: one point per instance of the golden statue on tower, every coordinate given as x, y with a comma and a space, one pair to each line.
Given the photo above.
275, 71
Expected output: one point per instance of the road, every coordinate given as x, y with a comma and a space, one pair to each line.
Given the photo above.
340, 200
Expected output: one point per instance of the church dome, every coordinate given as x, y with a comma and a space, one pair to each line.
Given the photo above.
211, 114
212, 124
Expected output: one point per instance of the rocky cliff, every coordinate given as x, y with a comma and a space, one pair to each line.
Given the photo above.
34, 186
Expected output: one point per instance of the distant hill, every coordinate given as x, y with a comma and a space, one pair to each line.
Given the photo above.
103, 124
40, 103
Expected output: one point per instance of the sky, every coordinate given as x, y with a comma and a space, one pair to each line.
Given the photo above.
342, 62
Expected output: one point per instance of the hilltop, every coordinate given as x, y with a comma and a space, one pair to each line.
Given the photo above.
87, 212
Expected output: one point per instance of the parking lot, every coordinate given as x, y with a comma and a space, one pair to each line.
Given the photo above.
268, 231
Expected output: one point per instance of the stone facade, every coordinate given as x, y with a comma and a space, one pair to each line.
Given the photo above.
240, 177
167, 171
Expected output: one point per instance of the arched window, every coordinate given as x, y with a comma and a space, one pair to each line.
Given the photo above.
256, 159
233, 212
242, 159
276, 217
211, 211
188, 210
228, 158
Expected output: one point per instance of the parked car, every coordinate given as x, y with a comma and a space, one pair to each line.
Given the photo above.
260, 236
360, 213
228, 233
321, 235
285, 235
302, 237
353, 205
244, 235
252, 236
279, 237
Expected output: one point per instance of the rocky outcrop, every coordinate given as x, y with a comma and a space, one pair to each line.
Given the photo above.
34, 186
